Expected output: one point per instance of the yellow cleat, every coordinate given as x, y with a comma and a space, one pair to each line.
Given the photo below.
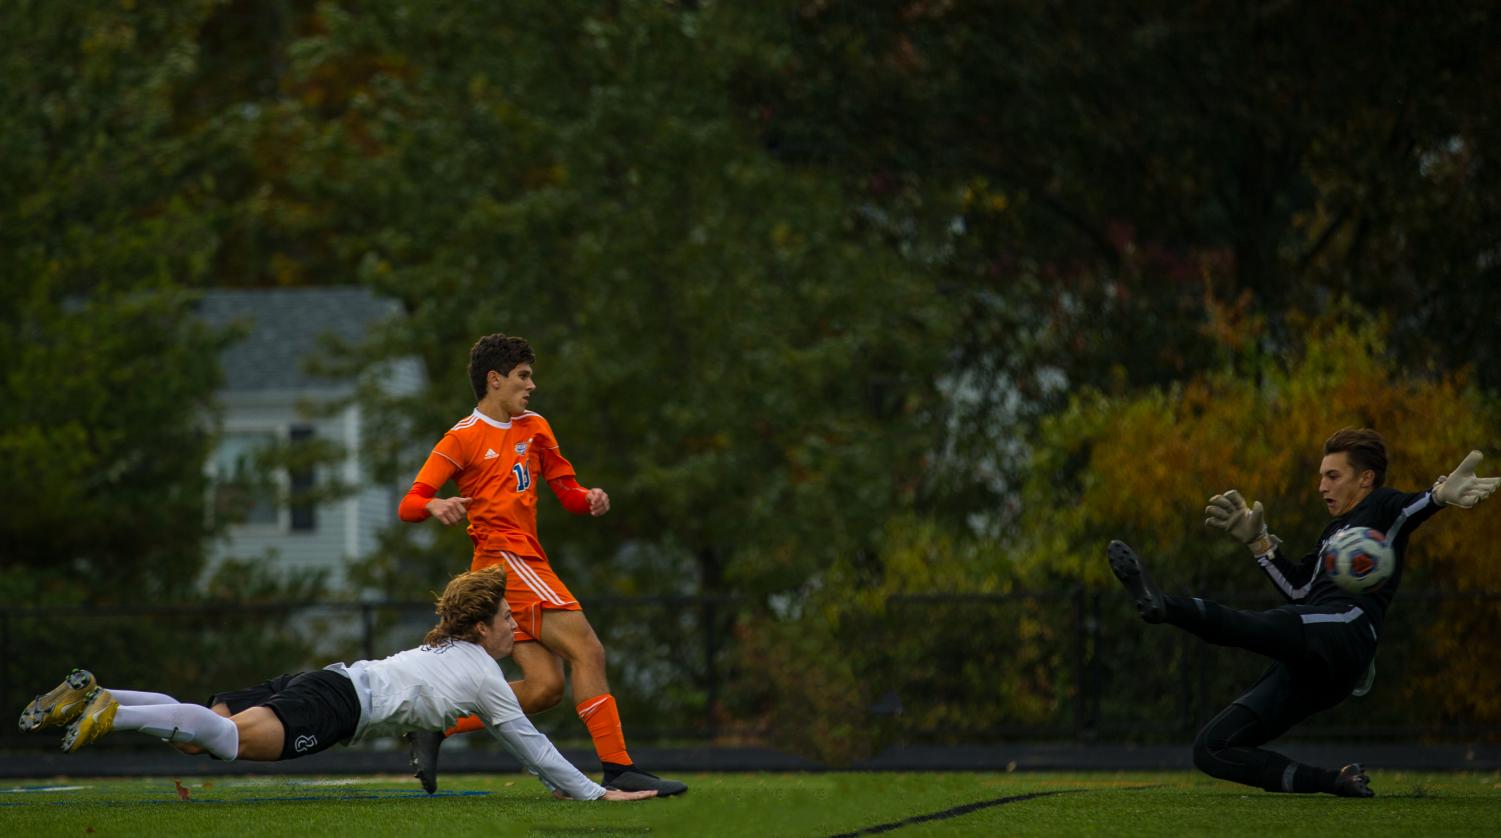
62, 704
97, 719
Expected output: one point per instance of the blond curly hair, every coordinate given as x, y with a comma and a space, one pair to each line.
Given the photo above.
468, 600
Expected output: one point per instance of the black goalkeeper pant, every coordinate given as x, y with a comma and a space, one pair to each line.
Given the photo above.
1321, 653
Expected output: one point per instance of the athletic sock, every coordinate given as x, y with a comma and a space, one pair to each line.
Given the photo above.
603, 721
136, 698
468, 724
192, 724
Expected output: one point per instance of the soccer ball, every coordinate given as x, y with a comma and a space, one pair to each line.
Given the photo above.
1358, 559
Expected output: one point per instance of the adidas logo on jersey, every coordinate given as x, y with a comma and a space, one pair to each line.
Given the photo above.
490, 454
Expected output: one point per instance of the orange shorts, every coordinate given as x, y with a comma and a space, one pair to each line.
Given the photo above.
531, 588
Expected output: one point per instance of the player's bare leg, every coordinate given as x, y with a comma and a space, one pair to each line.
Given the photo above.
262, 736
567, 635
541, 684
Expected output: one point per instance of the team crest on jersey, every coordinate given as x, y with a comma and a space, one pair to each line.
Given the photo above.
522, 446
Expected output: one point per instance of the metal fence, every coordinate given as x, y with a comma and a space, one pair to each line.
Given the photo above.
1070, 665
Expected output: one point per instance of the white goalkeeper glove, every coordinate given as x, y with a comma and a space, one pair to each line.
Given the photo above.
1246, 524
1461, 487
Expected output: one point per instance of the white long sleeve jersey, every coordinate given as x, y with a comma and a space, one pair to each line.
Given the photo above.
429, 688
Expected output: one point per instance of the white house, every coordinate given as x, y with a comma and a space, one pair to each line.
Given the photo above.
266, 393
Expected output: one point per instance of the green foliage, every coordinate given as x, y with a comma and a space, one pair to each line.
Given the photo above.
1140, 468
108, 380
1124, 194
842, 302
701, 314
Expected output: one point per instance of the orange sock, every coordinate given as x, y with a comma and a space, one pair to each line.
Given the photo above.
468, 724
603, 720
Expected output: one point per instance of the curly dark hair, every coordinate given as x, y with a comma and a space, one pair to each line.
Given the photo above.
470, 598
496, 352
1364, 447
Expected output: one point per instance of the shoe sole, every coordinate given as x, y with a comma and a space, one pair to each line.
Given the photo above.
1128, 568
428, 779
663, 788
1358, 785
61, 705
88, 728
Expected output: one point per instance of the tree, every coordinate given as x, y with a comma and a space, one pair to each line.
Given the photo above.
749, 375
106, 407
1140, 466
1102, 185
702, 313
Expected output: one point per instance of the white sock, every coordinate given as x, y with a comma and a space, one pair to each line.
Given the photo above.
190, 723
136, 698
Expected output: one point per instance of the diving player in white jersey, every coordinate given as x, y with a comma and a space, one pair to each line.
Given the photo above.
452, 675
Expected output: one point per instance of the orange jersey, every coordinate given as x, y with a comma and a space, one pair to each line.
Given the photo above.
496, 466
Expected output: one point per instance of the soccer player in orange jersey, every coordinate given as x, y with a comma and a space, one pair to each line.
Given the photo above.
495, 455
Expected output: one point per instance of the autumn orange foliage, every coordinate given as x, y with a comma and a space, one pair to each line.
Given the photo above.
1140, 467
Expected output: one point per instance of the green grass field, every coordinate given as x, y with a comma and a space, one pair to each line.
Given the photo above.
750, 804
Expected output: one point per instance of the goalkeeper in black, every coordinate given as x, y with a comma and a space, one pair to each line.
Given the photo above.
1323, 643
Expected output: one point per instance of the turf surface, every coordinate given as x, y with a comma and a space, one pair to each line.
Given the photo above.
750, 804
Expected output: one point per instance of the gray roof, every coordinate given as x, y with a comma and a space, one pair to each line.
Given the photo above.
285, 327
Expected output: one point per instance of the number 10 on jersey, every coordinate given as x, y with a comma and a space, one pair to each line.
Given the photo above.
523, 477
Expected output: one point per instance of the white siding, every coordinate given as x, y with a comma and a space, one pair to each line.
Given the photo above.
266, 382
335, 537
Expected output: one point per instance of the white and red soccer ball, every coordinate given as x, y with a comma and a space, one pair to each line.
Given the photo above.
1358, 559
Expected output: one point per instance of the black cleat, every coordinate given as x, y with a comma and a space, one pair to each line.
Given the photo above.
631, 778
1129, 569
1353, 782
424, 745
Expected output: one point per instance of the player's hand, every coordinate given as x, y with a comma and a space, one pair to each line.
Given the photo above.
613, 794
1229, 512
1461, 487
1246, 524
599, 502
616, 794
448, 510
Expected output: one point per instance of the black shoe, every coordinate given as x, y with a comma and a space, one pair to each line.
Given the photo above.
424, 745
1353, 782
631, 778
1129, 569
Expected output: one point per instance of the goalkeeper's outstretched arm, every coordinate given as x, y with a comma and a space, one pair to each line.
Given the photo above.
1461, 487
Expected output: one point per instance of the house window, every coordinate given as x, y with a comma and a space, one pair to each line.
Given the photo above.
301, 481
267, 478
243, 493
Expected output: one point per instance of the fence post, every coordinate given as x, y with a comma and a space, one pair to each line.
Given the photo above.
1092, 666
710, 674
367, 617
1205, 662
1081, 677
5, 657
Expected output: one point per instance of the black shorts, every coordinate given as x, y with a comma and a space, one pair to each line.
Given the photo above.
1340, 640
317, 709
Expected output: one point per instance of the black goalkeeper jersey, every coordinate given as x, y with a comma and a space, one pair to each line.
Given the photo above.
1304, 581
